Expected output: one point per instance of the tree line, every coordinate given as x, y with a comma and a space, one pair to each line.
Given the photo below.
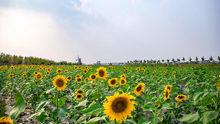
183, 60
7, 59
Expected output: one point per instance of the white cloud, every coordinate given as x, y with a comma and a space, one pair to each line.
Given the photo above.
83, 6
31, 33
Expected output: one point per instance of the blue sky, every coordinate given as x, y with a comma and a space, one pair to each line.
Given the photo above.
110, 30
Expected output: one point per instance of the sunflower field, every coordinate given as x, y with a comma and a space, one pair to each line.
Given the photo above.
110, 94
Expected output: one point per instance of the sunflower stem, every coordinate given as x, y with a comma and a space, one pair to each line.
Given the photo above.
57, 106
12, 88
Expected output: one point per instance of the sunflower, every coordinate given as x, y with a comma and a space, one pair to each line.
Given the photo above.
79, 96
122, 81
92, 77
139, 89
102, 73
78, 79
59, 71
112, 82
48, 69
86, 79
6, 120
38, 76
119, 106
166, 95
24, 75
48, 72
12, 67
75, 67
85, 71
66, 71
110, 67
59, 82
79, 92
124, 70
180, 98
69, 78
11, 75
168, 88
167, 91
78, 75
123, 76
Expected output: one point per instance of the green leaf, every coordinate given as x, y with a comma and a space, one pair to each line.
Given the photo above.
82, 118
189, 117
93, 108
197, 95
19, 106
50, 90
42, 104
42, 117
95, 119
36, 114
82, 104
62, 101
130, 121
208, 116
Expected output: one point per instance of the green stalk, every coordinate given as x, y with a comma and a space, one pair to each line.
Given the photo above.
57, 107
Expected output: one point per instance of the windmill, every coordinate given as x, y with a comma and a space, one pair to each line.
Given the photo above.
79, 61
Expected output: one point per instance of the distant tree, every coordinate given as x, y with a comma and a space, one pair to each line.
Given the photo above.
218, 58
197, 59
158, 61
178, 60
140, 61
173, 60
210, 59
190, 59
203, 59
183, 59
168, 61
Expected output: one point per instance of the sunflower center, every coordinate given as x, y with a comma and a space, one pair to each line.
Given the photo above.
119, 105
122, 81
59, 83
113, 82
166, 94
79, 96
38, 76
138, 88
78, 79
93, 76
101, 73
180, 97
